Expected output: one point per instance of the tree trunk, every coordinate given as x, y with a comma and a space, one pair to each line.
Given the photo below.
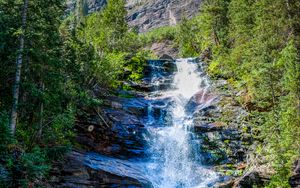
40, 131
16, 86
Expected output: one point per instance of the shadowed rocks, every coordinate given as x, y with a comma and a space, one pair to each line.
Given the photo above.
83, 170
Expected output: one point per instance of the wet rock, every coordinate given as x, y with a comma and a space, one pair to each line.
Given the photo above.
201, 101
122, 117
295, 179
136, 107
166, 57
121, 168
143, 87
170, 67
123, 134
159, 69
122, 141
216, 126
82, 170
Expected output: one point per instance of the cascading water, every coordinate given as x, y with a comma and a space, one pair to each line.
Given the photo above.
167, 149
174, 159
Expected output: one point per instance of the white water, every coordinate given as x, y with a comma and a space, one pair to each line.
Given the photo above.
174, 157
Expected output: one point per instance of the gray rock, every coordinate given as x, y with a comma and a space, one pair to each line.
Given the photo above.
90, 5
295, 179
87, 170
148, 14
211, 127
250, 179
164, 47
166, 57
227, 184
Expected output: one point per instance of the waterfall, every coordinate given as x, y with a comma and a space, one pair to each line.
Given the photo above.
173, 149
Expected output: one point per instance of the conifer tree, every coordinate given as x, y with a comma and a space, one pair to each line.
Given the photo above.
19, 62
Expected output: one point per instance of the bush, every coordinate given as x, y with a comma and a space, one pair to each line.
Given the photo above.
159, 34
34, 166
135, 67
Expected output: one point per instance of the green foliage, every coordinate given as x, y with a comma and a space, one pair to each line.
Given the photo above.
108, 30
9, 22
60, 132
159, 34
45, 116
100, 44
5, 142
31, 166
255, 45
135, 67
34, 166
285, 144
5, 137
189, 37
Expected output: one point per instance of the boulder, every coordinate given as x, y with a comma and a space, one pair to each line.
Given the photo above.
166, 57
295, 179
250, 179
202, 100
87, 170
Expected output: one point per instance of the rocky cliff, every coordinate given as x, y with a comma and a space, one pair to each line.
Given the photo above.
149, 14
145, 15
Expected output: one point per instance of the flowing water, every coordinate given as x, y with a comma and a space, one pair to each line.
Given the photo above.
173, 149
171, 156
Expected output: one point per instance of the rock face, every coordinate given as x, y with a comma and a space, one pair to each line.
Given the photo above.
148, 14
86, 171
164, 47
89, 5
124, 136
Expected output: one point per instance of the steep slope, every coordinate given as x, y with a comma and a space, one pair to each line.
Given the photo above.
145, 15
149, 14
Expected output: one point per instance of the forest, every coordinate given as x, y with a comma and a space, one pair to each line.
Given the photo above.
51, 62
